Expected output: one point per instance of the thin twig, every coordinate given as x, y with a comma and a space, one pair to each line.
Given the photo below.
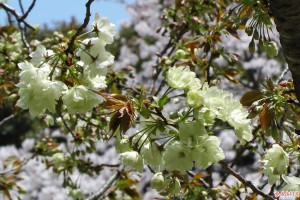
286, 70
17, 16
238, 156
272, 189
155, 71
29, 10
208, 68
6, 119
80, 29
100, 194
22, 7
244, 181
23, 38
66, 125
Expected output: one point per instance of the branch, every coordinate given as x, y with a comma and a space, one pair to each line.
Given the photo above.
21, 6
286, 70
208, 78
29, 10
107, 185
244, 181
83, 26
17, 16
6, 119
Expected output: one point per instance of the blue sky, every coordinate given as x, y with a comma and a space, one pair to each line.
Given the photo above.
51, 11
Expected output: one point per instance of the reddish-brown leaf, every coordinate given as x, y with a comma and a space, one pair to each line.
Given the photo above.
200, 175
231, 72
113, 102
251, 197
249, 97
123, 118
266, 118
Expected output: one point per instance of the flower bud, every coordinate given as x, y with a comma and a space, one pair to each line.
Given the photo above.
271, 49
58, 159
134, 159
157, 181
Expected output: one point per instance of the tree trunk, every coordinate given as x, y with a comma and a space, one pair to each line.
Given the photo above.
287, 19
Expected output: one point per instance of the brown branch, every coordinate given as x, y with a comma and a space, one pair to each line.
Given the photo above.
23, 37
100, 194
80, 29
6, 119
244, 181
17, 16
239, 154
208, 77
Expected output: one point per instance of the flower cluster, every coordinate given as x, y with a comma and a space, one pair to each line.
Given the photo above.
191, 143
210, 102
41, 84
275, 162
37, 92
194, 144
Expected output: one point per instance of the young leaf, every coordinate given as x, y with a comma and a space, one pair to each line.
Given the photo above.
249, 97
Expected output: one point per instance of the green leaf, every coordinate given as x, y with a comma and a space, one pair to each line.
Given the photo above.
251, 46
163, 101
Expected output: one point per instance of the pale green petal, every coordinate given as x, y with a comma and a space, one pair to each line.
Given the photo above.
97, 82
244, 134
191, 133
204, 116
291, 180
293, 183
157, 181
40, 55
122, 145
104, 29
178, 157
152, 155
194, 99
134, 159
208, 152
180, 77
93, 51
80, 99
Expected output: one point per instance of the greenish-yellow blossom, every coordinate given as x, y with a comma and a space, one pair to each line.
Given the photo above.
275, 162
80, 99
178, 157
104, 29
207, 152
194, 99
152, 155
180, 77
191, 133
204, 116
58, 159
